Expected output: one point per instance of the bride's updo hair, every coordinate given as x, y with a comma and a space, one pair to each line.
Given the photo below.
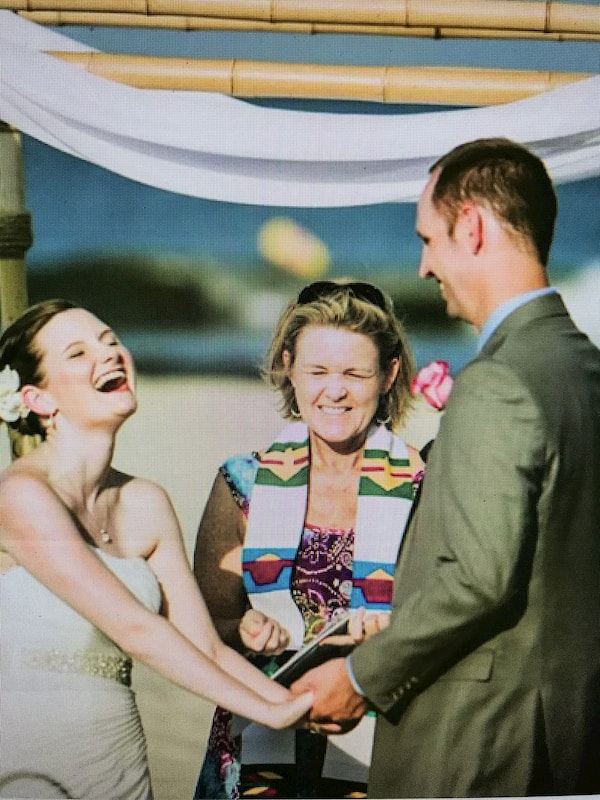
19, 351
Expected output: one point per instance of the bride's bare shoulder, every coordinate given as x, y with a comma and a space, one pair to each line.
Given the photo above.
24, 473
136, 491
26, 498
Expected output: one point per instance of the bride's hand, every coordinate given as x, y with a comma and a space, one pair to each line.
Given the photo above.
262, 634
360, 627
294, 709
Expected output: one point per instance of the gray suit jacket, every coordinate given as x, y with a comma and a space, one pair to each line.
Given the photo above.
488, 679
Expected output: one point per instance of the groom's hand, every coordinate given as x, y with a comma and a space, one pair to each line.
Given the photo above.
335, 700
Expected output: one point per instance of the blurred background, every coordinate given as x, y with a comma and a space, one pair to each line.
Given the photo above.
194, 288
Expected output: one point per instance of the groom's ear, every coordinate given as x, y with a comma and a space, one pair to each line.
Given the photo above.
470, 227
38, 400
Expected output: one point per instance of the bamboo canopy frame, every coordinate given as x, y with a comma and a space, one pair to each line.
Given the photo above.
241, 78
438, 18
183, 23
517, 19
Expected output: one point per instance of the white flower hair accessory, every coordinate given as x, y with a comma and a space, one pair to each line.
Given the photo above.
12, 406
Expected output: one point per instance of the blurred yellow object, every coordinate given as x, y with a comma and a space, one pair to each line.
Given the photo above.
289, 246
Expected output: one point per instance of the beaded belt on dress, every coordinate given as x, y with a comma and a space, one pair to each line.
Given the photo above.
84, 662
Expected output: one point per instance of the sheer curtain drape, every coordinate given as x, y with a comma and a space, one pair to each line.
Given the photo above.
221, 148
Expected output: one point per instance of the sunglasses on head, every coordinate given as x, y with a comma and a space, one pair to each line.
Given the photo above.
358, 289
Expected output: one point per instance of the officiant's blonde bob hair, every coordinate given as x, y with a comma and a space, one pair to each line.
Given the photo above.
354, 306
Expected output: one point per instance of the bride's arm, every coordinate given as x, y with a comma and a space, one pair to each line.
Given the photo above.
38, 531
185, 606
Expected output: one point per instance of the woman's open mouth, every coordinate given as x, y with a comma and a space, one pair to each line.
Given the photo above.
112, 381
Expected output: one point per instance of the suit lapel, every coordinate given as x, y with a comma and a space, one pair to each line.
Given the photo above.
424, 452
546, 306
534, 310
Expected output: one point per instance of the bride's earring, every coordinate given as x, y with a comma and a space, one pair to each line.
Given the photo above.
294, 410
51, 425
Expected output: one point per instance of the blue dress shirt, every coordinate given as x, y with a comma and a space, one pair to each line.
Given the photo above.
501, 313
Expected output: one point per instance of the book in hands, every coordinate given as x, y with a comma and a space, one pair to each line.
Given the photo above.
311, 655
315, 653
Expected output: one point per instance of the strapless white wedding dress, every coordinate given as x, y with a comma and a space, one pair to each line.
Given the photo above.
69, 724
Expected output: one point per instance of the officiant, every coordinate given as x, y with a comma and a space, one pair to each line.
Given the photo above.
311, 527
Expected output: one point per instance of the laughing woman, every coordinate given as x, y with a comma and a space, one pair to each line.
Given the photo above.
95, 575
310, 527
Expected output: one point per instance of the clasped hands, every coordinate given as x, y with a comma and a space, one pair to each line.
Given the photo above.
337, 707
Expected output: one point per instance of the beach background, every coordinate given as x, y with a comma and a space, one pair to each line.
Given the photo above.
194, 287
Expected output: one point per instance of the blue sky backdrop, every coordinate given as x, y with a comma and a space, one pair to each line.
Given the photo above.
79, 208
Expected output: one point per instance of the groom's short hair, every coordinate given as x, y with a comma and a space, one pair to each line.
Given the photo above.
507, 178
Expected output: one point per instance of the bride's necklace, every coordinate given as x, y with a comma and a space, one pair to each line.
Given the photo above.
105, 536
102, 528
95, 522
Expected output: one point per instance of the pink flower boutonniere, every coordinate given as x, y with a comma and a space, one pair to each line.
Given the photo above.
434, 383
417, 479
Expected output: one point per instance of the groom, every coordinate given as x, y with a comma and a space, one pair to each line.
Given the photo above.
487, 680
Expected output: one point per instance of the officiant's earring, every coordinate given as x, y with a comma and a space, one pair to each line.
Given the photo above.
383, 408
294, 410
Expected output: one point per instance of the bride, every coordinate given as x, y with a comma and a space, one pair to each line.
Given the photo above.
95, 575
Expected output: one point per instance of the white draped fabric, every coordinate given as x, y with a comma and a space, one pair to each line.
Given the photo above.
221, 148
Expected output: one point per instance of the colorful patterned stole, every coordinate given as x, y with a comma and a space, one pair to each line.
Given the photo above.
277, 513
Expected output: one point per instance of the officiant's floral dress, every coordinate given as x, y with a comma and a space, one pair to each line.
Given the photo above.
321, 585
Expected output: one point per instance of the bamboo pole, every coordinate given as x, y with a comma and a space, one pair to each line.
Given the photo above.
162, 21
187, 23
533, 16
240, 78
15, 227
15, 239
